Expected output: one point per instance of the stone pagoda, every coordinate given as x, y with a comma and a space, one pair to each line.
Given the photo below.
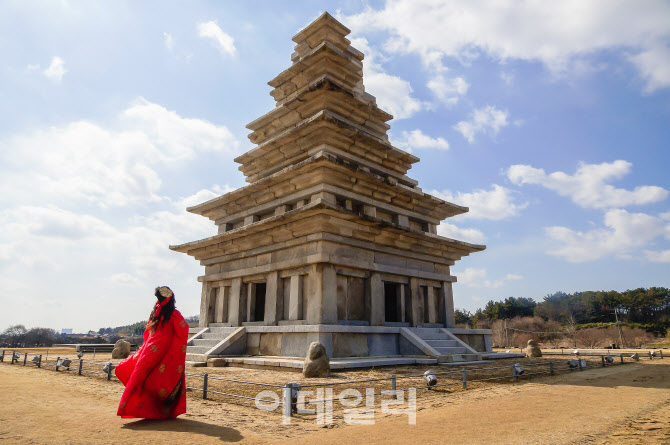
330, 241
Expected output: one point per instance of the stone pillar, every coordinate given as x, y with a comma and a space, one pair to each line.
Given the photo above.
377, 310
251, 301
432, 304
295, 298
222, 304
447, 295
401, 297
236, 304
322, 308
250, 219
369, 210
417, 302
204, 305
273, 298
326, 196
402, 220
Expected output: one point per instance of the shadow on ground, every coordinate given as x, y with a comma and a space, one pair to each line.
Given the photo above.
225, 434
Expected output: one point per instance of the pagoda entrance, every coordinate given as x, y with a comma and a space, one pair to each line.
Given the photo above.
256, 301
392, 303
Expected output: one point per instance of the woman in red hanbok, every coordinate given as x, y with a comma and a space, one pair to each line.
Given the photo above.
154, 374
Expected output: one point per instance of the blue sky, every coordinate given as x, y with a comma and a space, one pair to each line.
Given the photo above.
550, 120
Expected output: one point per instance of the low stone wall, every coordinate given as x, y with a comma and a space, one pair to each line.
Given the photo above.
477, 339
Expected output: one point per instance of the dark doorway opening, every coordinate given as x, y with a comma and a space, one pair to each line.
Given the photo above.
259, 306
391, 303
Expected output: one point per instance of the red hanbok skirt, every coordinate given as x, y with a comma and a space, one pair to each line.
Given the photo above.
154, 374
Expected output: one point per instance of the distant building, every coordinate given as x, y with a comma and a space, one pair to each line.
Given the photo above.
66, 331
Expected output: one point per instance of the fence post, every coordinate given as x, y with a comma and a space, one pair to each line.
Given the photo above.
109, 371
2, 357
393, 386
465, 379
288, 400
81, 362
602, 361
513, 373
204, 386
551, 367
579, 361
621, 355
11, 362
57, 360
39, 362
660, 351
25, 357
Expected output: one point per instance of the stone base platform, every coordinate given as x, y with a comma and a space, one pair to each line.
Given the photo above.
502, 355
295, 363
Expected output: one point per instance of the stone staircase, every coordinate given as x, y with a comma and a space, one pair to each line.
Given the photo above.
447, 347
201, 343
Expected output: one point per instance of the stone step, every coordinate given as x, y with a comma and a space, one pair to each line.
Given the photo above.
214, 335
459, 358
197, 349
451, 351
427, 330
221, 330
206, 342
474, 362
433, 336
443, 343
196, 357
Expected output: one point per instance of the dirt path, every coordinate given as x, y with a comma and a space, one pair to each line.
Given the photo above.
628, 404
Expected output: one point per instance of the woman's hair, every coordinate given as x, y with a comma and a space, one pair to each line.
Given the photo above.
164, 314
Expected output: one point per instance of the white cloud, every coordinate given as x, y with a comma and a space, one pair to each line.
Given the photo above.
588, 187
454, 232
393, 94
415, 139
654, 67
125, 279
622, 237
658, 256
169, 40
487, 120
56, 69
111, 167
203, 195
494, 204
559, 35
448, 90
77, 254
473, 277
221, 40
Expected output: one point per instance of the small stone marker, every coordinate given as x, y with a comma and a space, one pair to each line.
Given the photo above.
317, 363
121, 349
532, 349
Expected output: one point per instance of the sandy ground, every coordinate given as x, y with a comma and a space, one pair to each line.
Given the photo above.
619, 404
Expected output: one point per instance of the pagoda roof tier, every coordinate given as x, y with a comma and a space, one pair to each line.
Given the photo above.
326, 58
324, 217
324, 127
325, 92
326, 171
325, 27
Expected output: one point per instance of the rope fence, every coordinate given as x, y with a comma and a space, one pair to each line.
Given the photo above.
287, 395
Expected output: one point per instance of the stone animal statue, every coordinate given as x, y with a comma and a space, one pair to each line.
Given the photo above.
533, 350
317, 363
121, 349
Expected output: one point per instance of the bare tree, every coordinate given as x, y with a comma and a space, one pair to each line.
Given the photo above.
15, 335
